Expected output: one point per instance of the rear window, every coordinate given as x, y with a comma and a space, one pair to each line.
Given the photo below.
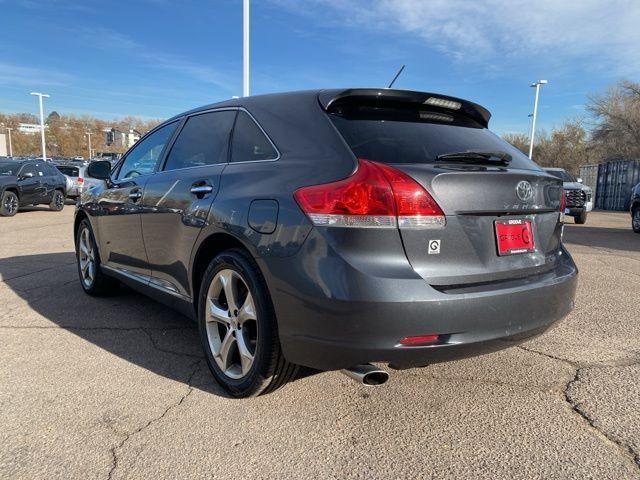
562, 175
69, 171
394, 135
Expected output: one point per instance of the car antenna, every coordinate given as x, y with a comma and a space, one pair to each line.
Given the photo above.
396, 77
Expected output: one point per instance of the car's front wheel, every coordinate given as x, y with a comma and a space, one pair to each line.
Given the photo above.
57, 201
8, 204
92, 280
238, 327
635, 220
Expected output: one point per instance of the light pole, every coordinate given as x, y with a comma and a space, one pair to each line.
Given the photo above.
245, 48
535, 84
40, 96
10, 147
89, 135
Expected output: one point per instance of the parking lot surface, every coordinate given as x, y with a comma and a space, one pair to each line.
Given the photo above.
117, 387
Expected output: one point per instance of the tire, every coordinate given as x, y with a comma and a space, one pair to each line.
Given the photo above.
635, 219
229, 327
97, 284
57, 201
9, 204
581, 219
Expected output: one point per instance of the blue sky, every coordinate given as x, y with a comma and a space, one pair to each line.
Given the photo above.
156, 58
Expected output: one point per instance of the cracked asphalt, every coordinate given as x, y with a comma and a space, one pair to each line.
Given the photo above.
117, 388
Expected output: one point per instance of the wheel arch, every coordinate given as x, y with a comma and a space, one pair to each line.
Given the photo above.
208, 248
80, 215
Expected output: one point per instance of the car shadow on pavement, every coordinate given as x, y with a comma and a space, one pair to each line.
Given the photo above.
127, 324
601, 237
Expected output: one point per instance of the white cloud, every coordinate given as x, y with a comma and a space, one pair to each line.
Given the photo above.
18, 75
603, 34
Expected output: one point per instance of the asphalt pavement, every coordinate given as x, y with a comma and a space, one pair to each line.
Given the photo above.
111, 388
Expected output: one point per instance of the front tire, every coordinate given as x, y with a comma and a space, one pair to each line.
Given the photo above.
9, 204
635, 220
238, 327
57, 201
92, 280
581, 219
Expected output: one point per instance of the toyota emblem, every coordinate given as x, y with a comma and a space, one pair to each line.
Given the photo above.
524, 190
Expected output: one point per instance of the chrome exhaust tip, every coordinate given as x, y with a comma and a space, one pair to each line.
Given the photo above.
367, 374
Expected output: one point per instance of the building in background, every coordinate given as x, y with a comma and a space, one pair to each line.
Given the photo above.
30, 128
116, 138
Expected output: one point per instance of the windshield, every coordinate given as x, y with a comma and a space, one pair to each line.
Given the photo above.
9, 168
562, 175
391, 135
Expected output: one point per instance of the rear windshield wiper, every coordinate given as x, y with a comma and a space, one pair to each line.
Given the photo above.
499, 158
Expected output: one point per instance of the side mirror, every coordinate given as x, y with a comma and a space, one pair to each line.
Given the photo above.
579, 180
100, 169
27, 175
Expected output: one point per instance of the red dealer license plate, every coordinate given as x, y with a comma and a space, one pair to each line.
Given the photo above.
514, 236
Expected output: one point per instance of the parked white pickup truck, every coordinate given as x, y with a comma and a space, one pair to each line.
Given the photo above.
579, 197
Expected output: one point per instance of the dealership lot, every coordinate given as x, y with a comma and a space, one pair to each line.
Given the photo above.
117, 388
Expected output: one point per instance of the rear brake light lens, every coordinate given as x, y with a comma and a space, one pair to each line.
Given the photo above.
563, 200
80, 180
375, 195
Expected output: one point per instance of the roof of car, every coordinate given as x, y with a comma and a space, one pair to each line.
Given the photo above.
554, 169
329, 98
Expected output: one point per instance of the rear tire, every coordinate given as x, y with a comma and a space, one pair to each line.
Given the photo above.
92, 280
581, 219
635, 219
9, 204
57, 201
240, 336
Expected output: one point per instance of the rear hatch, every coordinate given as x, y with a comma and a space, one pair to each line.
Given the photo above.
480, 182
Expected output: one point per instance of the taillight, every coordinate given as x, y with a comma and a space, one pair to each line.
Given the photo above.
563, 204
420, 339
376, 195
80, 180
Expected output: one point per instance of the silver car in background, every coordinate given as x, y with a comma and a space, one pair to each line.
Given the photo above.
77, 179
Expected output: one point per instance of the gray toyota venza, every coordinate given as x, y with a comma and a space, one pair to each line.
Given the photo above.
331, 229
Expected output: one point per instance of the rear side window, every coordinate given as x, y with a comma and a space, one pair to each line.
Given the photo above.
249, 141
394, 135
204, 140
69, 171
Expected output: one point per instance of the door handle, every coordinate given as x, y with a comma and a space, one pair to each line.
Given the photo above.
201, 189
135, 195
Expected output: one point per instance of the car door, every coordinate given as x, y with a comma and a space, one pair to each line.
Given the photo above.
28, 184
119, 206
178, 197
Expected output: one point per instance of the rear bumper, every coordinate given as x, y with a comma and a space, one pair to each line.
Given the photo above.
362, 318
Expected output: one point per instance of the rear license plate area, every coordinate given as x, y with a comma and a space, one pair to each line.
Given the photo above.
514, 236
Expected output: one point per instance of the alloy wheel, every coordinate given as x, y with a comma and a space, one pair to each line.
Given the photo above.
231, 324
636, 219
11, 204
59, 201
87, 258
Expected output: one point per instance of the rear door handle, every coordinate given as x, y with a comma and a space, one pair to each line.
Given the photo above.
201, 189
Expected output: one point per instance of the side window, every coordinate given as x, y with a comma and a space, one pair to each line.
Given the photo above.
40, 170
249, 142
204, 140
142, 159
29, 168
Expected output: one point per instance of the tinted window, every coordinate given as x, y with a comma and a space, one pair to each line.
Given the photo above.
562, 175
144, 155
391, 135
204, 140
9, 168
69, 171
249, 142
29, 168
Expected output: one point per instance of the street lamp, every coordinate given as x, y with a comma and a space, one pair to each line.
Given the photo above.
89, 135
40, 96
535, 84
10, 147
245, 48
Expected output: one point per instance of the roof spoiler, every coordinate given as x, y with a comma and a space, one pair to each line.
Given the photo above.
332, 99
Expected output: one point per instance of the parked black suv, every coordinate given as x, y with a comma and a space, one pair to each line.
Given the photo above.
30, 182
331, 229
